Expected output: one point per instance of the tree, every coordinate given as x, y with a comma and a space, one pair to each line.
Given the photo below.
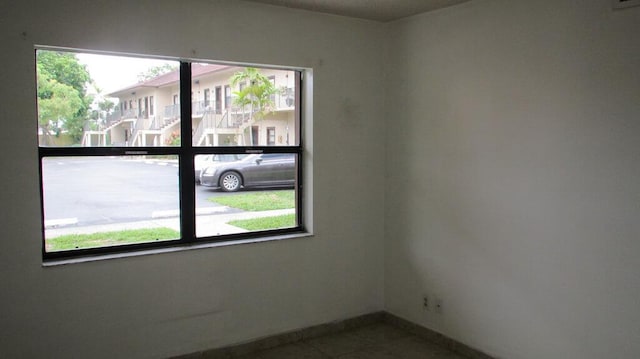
63, 101
256, 94
102, 108
155, 72
57, 103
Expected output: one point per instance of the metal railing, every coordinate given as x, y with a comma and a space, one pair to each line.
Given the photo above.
172, 111
117, 116
285, 99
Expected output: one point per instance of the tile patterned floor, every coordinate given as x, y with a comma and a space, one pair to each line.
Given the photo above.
376, 341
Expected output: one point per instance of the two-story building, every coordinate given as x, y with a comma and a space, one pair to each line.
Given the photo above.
148, 112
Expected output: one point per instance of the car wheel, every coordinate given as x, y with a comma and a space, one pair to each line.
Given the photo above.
230, 182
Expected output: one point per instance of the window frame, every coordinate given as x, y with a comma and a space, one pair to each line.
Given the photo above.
186, 153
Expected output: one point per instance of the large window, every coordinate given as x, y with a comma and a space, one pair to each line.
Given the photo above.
130, 161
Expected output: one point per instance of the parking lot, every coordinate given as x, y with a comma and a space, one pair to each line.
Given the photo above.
104, 190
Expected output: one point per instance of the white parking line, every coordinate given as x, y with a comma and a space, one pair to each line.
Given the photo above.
52, 223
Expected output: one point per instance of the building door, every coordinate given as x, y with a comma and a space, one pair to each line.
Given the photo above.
218, 99
255, 132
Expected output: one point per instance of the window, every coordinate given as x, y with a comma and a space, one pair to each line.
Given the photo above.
227, 96
130, 183
207, 95
271, 136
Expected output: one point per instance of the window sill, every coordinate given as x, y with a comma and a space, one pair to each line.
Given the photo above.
179, 248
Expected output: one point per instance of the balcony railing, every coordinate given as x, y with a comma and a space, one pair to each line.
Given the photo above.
285, 99
212, 118
172, 111
117, 116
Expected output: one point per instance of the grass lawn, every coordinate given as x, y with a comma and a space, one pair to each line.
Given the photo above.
258, 224
79, 241
258, 201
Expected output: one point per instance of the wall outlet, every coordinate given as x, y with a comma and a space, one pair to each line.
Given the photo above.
438, 305
426, 304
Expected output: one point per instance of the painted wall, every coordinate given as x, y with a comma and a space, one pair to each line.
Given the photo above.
169, 304
513, 172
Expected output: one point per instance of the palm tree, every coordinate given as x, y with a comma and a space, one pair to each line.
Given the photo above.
256, 94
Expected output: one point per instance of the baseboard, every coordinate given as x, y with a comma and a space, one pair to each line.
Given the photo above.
315, 331
434, 337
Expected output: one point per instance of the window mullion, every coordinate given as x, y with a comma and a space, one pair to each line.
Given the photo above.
187, 185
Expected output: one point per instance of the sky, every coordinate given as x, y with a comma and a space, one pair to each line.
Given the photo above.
112, 73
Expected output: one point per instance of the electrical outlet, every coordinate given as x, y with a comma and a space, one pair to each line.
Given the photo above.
426, 305
438, 305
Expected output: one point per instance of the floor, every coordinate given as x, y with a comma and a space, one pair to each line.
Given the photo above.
376, 341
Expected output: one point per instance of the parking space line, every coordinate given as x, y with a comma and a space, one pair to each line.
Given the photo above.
52, 223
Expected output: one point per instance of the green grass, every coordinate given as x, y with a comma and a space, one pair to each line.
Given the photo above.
258, 201
258, 224
104, 239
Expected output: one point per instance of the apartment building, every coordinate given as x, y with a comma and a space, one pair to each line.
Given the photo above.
148, 113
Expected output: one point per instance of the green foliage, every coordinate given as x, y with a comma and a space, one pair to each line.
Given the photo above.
74, 241
257, 92
99, 115
63, 101
174, 139
264, 223
106, 106
258, 201
65, 68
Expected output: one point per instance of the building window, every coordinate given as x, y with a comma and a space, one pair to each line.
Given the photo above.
114, 188
271, 136
218, 99
227, 96
207, 98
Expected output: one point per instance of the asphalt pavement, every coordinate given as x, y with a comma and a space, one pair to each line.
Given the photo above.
101, 194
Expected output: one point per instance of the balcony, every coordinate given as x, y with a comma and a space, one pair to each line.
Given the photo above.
117, 116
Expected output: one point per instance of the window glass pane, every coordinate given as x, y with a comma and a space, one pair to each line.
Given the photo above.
98, 100
109, 201
254, 100
253, 193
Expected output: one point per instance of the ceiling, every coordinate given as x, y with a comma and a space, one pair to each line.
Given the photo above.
378, 10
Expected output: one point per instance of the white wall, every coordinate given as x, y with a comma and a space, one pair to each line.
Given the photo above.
168, 304
513, 176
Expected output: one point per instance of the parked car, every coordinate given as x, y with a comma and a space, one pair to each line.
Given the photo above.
261, 170
201, 162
